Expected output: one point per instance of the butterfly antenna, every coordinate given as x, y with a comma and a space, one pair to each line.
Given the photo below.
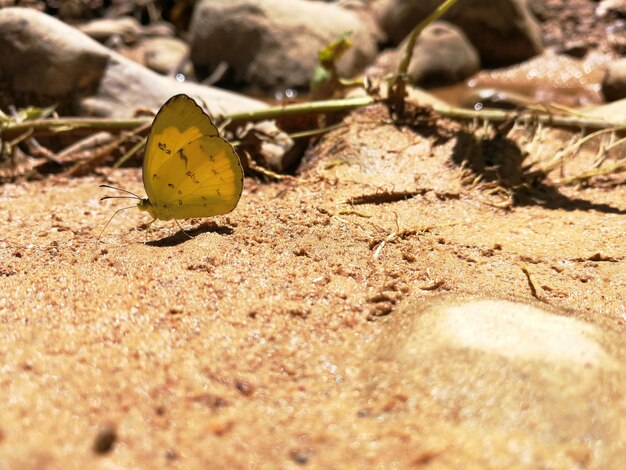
114, 214
134, 196
117, 197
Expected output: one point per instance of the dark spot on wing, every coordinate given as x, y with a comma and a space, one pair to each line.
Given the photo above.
170, 185
164, 148
192, 175
182, 156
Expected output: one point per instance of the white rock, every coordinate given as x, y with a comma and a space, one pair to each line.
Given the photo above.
512, 382
512, 330
606, 6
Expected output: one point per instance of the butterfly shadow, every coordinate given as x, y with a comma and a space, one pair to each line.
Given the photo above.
183, 236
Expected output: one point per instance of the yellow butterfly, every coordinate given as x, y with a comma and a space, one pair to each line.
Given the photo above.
188, 169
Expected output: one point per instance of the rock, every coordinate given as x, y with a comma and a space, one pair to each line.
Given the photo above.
164, 55
127, 86
46, 61
124, 30
614, 81
273, 43
516, 372
442, 56
503, 32
105, 440
614, 113
618, 7
159, 29
102, 30
276, 150
577, 49
43, 56
508, 329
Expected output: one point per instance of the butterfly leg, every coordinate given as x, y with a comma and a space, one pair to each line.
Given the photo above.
181, 228
148, 229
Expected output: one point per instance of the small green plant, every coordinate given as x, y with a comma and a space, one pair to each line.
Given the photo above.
326, 81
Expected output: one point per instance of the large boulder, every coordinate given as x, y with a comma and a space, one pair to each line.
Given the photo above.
44, 56
45, 61
273, 43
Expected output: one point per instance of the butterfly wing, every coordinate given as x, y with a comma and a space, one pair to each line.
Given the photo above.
203, 179
179, 121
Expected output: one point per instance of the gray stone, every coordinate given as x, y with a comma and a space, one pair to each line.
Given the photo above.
614, 81
442, 55
165, 54
273, 43
44, 56
45, 60
102, 30
503, 32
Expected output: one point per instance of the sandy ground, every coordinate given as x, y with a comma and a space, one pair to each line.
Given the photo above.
259, 343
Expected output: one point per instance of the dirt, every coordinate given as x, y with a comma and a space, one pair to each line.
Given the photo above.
257, 342
253, 343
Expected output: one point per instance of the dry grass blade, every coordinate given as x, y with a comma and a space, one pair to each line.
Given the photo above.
84, 146
264, 171
614, 168
98, 155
